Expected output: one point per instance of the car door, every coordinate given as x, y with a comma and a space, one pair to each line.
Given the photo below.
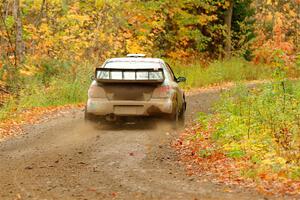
175, 85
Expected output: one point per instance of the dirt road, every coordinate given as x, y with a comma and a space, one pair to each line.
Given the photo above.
65, 159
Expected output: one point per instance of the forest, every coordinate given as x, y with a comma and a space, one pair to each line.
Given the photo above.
42, 37
49, 49
45, 41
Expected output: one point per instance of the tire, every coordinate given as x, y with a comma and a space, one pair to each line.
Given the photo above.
88, 117
181, 120
178, 119
92, 119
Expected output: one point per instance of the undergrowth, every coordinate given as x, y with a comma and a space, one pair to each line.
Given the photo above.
260, 125
219, 72
54, 83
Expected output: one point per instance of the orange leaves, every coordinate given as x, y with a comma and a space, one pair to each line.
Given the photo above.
179, 54
13, 126
266, 50
280, 25
202, 157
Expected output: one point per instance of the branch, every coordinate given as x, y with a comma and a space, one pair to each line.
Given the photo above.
9, 40
40, 16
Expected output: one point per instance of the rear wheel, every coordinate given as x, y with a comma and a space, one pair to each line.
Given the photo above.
178, 119
92, 119
88, 117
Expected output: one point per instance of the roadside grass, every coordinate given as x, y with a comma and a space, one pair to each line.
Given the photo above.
219, 72
62, 86
260, 126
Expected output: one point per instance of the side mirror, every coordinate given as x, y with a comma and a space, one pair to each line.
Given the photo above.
92, 77
181, 79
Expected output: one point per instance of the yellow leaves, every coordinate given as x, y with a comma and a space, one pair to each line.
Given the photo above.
133, 46
138, 19
28, 70
44, 28
271, 159
99, 4
179, 54
127, 34
80, 19
269, 17
227, 4
184, 41
205, 19
292, 13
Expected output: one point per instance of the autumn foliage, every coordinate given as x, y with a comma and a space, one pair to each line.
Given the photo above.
49, 49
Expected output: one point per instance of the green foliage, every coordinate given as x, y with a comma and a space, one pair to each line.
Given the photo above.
204, 153
243, 28
184, 27
55, 87
219, 72
9, 21
100, 29
261, 123
235, 153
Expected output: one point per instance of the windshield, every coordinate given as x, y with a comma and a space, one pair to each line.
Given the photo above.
133, 65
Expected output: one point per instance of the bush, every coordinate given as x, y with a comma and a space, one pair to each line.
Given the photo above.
60, 86
263, 124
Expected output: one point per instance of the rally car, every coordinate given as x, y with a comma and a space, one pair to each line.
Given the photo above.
135, 86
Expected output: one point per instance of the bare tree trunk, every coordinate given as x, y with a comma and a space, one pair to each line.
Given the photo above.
228, 21
19, 31
41, 14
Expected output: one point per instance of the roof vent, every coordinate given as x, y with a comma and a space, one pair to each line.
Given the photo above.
136, 55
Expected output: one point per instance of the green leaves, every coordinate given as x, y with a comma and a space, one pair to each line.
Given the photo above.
262, 123
64, 5
99, 4
9, 22
235, 153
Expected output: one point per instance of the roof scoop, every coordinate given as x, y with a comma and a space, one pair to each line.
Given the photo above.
136, 55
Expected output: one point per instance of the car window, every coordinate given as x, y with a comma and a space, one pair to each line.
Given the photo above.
173, 77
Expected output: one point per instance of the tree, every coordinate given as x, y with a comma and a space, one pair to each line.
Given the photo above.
228, 22
242, 28
19, 48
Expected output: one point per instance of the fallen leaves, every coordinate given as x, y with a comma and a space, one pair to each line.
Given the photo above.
224, 170
13, 126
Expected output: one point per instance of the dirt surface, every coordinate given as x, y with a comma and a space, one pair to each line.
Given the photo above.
65, 159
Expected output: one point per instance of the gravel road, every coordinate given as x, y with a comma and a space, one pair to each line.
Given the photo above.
65, 159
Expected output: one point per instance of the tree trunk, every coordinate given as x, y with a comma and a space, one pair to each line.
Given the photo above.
19, 31
41, 14
228, 21
7, 42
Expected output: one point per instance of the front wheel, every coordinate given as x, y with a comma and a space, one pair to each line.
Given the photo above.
179, 120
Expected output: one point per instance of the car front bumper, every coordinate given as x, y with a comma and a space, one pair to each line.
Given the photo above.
103, 107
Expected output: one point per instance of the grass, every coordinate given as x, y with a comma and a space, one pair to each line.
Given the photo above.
62, 87
261, 124
219, 72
